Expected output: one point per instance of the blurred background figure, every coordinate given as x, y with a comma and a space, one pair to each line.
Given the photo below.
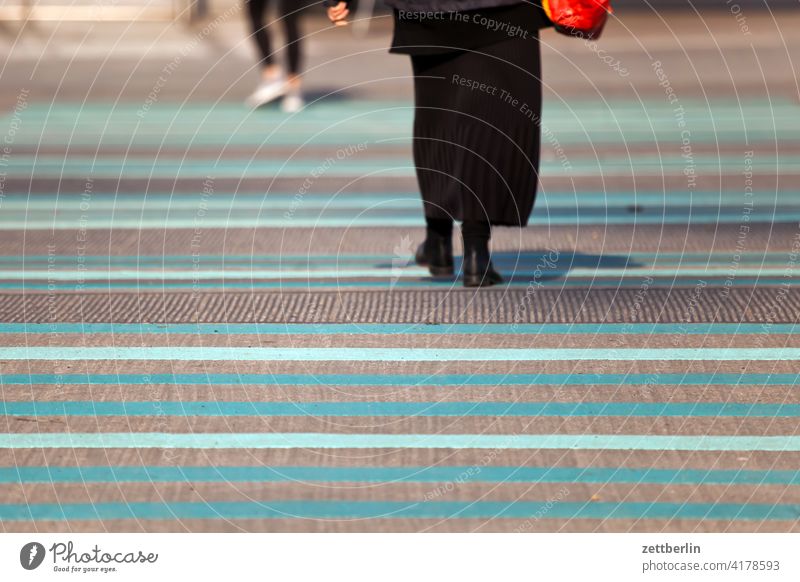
277, 82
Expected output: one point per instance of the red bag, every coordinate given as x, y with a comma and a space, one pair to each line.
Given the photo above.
580, 18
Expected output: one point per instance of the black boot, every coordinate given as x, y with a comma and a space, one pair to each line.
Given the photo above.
436, 252
477, 266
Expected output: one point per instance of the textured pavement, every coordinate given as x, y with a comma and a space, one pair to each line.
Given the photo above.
211, 320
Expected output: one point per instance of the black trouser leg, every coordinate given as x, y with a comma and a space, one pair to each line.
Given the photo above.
477, 267
441, 227
290, 16
476, 229
256, 10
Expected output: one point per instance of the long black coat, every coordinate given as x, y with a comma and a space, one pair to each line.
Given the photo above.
441, 5
448, 5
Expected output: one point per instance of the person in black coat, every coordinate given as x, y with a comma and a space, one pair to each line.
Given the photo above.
477, 93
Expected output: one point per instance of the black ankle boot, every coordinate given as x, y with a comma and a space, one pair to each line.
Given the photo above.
436, 253
478, 268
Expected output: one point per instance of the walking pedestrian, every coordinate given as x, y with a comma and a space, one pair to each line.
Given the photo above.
477, 93
275, 83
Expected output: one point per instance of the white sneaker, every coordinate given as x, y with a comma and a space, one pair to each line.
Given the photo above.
292, 103
268, 91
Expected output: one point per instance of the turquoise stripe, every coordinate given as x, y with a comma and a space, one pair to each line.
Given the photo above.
397, 441
335, 509
345, 354
420, 474
520, 260
382, 131
555, 205
411, 220
767, 106
237, 214
189, 274
223, 198
398, 116
378, 272
216, 115
688, 379
360, 164
402, 409
405, 328
423, 283
359, 113
152, 137
68, 202
148, 203
566, 256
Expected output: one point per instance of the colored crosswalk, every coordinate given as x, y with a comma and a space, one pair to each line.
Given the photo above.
210, 319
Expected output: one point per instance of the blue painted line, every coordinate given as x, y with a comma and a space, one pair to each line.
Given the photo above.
274, 213
414, 474
289, 329
346, 354
415, 220
142, 199
401, 409
382, 272
340, 509
217, 274
398, 441
66, 202
376, 261
688, 379
555, 282
238, 166
522, 258
550, 206
149, 136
